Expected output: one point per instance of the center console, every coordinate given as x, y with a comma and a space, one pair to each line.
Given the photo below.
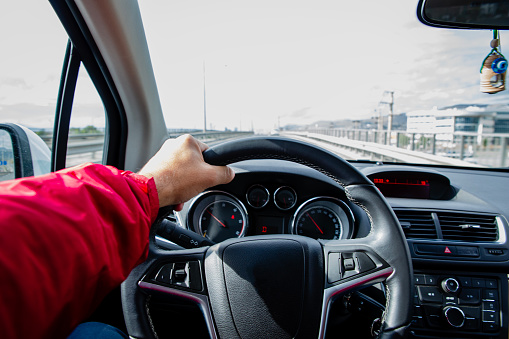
459, 305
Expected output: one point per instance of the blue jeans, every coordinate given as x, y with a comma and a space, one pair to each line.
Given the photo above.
97, 331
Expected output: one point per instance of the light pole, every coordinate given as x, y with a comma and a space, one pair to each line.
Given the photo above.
204, 101
389, 102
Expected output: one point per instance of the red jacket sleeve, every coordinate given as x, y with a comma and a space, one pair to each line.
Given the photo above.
66, 240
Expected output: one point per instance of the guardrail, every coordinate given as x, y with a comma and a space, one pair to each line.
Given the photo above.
48, 138
89, 147
78, 140
457, 149
214, 135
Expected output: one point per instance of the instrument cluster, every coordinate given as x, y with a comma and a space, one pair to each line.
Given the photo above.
220, 215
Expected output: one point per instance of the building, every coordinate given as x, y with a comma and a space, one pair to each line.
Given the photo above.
460, 118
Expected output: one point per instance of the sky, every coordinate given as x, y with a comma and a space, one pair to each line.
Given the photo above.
263, 63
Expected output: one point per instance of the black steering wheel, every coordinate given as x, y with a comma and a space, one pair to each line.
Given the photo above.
280, 286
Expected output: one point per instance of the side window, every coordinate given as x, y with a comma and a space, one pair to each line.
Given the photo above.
87, 126
33, 46
6, 157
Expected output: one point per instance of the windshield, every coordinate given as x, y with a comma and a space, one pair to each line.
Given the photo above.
364, 76
365, 71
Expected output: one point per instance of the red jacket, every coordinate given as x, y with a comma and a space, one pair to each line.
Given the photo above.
66, 240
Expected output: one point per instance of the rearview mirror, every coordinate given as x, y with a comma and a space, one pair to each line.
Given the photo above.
22, 153
476, 14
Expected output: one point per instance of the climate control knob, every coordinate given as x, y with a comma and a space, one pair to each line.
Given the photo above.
450, 285
454, 316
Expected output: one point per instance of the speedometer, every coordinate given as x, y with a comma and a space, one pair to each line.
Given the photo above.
319, 223
323, 218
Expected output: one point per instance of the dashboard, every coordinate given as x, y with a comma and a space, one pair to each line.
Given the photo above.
270, 198
454, 219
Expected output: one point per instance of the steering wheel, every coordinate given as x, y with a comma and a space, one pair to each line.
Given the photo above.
280, 286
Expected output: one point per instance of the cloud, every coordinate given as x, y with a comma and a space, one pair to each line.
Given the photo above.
321, 57
28, 114
434, 95
301, 61
14, 82
43, 116
300, 113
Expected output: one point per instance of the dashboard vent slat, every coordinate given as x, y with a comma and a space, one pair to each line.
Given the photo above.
417, 224
468, 227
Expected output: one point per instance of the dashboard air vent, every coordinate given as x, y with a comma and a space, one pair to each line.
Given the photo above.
468, 227
417, 224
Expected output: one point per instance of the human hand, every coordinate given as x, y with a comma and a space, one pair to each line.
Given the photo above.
180, 172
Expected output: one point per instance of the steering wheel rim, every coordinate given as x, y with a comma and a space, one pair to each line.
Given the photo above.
385, 246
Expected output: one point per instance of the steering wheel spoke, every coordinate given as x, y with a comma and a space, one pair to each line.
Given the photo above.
175, 274
349, 259
180, 278
183, 272
349, 265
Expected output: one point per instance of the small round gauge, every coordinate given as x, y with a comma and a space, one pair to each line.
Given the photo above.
218, 216
285, 198
323, 218
257, 196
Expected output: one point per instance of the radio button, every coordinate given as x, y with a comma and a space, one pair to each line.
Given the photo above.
470, 296
490, 306
490, 327
430, 280
478, 282
491, 283
472, 324
451, 299
491, 294
465, 281
429, 294
419, 279
489, 316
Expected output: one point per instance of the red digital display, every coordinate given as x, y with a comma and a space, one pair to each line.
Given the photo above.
397, 181
403, 187
269, 225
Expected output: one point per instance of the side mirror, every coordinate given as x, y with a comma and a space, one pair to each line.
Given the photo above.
22, 153
475, 14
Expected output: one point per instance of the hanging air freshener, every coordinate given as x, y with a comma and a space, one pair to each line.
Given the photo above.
493, 69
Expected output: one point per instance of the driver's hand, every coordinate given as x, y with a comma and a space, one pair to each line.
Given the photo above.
180, 172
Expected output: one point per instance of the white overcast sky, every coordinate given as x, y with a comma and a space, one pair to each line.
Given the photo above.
296, 61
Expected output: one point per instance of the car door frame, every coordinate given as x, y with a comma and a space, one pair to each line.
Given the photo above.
82, 49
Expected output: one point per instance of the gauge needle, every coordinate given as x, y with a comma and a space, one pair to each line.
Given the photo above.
213, 216
314, 223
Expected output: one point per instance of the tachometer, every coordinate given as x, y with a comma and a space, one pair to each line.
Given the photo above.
323, 218
219, 216
222, 220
